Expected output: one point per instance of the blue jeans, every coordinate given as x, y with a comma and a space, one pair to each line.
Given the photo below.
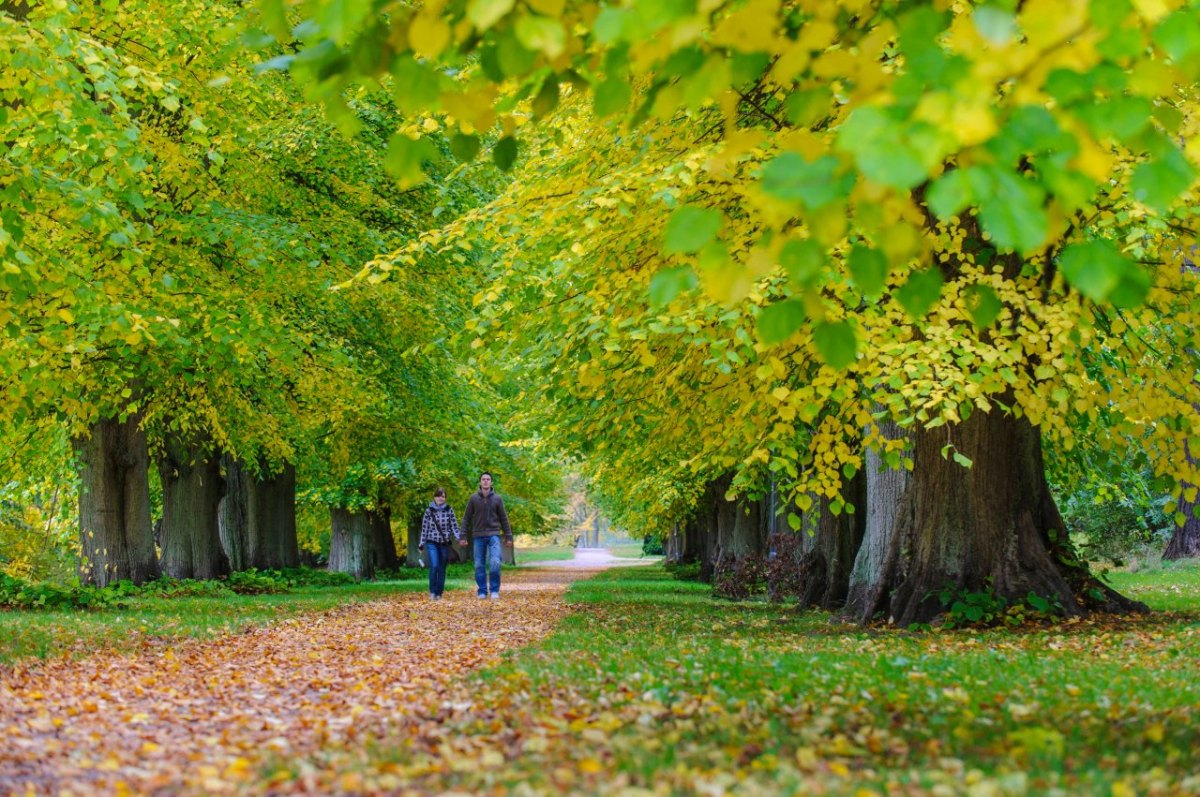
439, 554
487, 563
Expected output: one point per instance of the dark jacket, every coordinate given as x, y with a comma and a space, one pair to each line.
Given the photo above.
486, 517
439, 524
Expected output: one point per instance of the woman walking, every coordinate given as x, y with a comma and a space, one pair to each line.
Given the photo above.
438, 527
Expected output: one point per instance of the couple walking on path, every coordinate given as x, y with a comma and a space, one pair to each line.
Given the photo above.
483, 521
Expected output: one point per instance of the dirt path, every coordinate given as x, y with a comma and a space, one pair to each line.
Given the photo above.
204, 716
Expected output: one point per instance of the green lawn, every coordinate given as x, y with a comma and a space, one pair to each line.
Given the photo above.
653, 684
44, 633
544, 553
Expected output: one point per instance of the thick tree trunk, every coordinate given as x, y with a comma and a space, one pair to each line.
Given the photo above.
351, 547
114, 504
191, 539
1185, 542
385, 545
413, 557
233, 514
885, 491
992, 527
271, 520
825, 567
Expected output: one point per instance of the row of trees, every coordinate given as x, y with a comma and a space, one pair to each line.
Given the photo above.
179, 236
813, 243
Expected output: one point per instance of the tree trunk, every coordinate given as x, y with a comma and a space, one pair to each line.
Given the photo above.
385, 545
1185, 542
191, 538
825, 567
114, 504
233, 522
351, 548
885, 491
271, 520
992, 527
414, 558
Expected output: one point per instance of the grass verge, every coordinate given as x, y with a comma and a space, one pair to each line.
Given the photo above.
655, 687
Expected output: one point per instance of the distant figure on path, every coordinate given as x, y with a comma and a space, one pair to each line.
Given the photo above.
484, 519
438, 527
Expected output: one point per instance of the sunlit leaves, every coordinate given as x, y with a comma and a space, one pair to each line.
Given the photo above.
485, 13
983, 305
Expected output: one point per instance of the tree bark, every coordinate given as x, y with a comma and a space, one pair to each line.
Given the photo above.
114, 504
271, 520
1185, 542
825, 567
885, 491
191, 538
413, 558
384, 544
233, 521
993, 527
351, 548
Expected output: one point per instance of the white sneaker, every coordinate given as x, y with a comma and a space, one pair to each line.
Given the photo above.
482, 596
495, 596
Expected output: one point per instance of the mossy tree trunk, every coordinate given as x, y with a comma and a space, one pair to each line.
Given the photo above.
192, 488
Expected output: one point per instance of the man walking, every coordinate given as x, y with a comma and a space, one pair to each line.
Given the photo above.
484, 519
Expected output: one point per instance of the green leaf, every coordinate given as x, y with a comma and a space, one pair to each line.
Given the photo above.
541, 34
1099, 271
404, 158
813, 184
339, 19
464, 147
415, 86
486, 13
994, 24
669, 283
963, 460
611, 96
1159, 182
274, 14
609, 25
803, 260
804, 108
921, 292
949, 194
504, 153
546, 99
690, 228
869, 268
984, 305
779, 321
1012, 212
836, 343
1179, 35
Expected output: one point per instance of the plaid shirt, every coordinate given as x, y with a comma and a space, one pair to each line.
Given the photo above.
439, 525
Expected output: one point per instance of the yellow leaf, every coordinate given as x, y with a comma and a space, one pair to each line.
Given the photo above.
591, 766
428, 35
66, 315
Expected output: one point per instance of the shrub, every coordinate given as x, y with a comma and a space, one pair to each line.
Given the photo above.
738, 578
652, 546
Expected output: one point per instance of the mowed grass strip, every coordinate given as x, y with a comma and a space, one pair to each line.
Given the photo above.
653, 685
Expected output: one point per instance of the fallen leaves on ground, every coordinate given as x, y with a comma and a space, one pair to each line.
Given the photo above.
637, 695
206, 716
